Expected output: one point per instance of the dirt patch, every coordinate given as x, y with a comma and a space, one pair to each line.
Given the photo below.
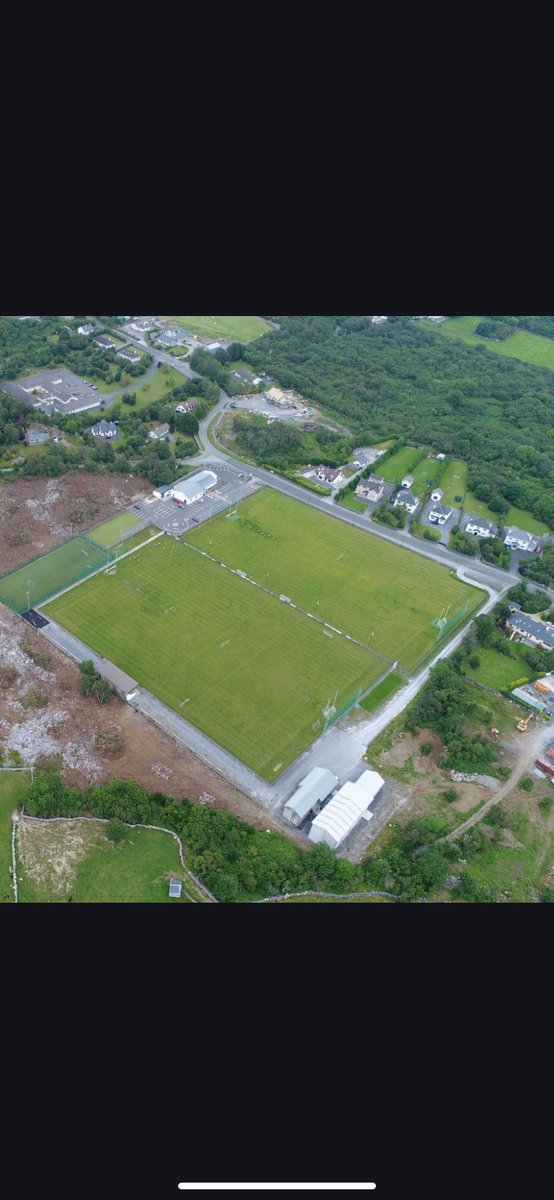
37, 514
407, 746
470, 795
65, 734
50, 854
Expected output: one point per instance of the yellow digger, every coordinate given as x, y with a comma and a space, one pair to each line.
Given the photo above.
522, 725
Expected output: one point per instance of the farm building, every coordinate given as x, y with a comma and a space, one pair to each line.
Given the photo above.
308, 797
405, 499
344, 810
480, 527
519, 539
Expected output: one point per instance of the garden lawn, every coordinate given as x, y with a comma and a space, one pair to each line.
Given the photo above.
400, 464
454, 483
133, 872
428, 473
164, 381
497, 670
379, 593
350, 500
248, 670
237, 329
13, 788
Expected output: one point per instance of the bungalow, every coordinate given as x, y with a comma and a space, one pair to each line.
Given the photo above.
104, 429
436, 495
160, 432
404, 499
479, 527
538, 633
407, 481
129, 354
106, 343
85, 330
188, 406
518, 539
248, 377
371, 488
35, 437
439, 514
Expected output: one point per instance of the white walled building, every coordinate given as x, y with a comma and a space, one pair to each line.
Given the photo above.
344, 810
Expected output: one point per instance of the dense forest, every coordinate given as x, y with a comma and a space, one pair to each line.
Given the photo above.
402, 378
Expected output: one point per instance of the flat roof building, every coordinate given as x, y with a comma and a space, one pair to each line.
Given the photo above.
308, 797
344, 810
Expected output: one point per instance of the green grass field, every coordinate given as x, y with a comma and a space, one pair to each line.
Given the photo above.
238, 329
350, 500
377, 592
133, 872
400, 464
527, 347
47, 575
112, 531
428, 473
165, 379
383, 690
245, 668
13, 787
523, 867
497, 670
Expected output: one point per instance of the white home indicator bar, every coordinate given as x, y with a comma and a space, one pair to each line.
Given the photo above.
277, 1187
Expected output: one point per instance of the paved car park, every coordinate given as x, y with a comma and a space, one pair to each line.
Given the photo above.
231, 487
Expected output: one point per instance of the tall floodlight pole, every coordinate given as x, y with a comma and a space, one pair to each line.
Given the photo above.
28, 600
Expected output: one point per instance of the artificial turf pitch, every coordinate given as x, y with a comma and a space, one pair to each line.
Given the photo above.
244, 667
45, 576
379, 593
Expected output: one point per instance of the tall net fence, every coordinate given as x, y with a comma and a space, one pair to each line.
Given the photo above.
45, 575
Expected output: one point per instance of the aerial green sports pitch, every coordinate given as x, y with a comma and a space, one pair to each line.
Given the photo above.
243, 666
44, 576
381, 594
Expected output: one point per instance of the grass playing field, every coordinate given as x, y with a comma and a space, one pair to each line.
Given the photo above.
377, 592
112, 531
245, 668
238, 329
49, 574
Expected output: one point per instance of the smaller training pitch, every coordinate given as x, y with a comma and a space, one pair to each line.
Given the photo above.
248, 670
43, 577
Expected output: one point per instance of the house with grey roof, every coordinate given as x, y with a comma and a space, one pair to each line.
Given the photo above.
439, 514
160, 432
130, 354
480, 527
85, 330
405, 499
107, 343
308, 797
519, 539
104, 429
537, 633
35, 437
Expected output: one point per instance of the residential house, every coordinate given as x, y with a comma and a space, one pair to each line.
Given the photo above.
479, 527
106, 343
407, 482
436, 495
187, 406
85, 330
437, 319
131, 355
440, 514
330, 475
405, 499
104, 429
538, 633
35, 437
160, 432
371, 488
519, 539
143, 324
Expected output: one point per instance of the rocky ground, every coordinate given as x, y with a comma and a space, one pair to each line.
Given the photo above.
44, 716
38, 514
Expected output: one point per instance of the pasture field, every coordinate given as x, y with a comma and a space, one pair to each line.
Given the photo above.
62, 859
112, 531
238, 329
379, 593
527, 347
248, 670
400, 464
13, 787
47, 575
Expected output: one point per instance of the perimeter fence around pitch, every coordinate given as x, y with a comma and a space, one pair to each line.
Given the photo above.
44, 575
